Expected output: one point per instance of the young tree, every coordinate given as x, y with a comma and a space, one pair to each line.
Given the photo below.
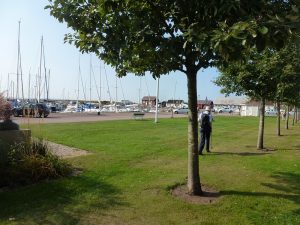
179, 35
269, 75
256, 78
289, 77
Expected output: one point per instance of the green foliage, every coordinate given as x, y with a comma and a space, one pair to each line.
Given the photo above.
289, 81
271, 74
4, 107
164, 36
25, 164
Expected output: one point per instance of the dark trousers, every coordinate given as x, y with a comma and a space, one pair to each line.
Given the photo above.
205, 137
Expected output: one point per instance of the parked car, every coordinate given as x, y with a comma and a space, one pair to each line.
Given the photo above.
225, 109
181, 111
32, 109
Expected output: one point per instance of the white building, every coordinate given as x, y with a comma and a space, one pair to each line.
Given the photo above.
246, 107
251, 108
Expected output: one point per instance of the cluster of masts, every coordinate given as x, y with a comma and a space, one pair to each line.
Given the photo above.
39, 90
41, 82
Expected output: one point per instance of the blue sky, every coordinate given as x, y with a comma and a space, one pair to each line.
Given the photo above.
62, 61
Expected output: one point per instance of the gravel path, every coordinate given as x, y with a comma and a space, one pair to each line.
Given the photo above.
64, 151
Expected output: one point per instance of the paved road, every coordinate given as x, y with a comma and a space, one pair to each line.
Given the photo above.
87, 117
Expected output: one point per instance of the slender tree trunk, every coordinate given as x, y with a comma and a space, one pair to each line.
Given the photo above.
294, 116
297, 115
287, 117
194, 185
260, 139
278, 118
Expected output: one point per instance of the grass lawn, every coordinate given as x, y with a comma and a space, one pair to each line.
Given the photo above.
128, 177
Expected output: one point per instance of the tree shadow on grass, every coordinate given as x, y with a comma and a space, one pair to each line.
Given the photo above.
296, 147
241, 153
64, 201
287, 185
291, 148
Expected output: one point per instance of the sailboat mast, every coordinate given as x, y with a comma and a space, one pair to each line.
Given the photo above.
78, 81
18, 61
46, 88
108, 90
82, 85
40, 73
29, 85
8, 89
122, 89
140, 91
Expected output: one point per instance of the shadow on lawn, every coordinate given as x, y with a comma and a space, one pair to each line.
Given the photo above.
61, 201
289, 149
297, 147
287, 185
241, 153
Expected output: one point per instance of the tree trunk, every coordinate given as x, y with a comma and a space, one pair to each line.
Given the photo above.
294, 116
260, 139
297, 115
194, 185
278, 118
287, 118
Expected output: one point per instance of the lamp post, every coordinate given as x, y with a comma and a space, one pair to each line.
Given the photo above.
157, 93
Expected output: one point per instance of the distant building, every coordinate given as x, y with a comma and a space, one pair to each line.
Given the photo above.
175, 103
232, 102
242, 105
251, 108
202, 103
149, 101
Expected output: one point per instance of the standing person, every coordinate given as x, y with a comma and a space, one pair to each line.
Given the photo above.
205, 120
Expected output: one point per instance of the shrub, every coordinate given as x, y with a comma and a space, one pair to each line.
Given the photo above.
26, 164
5, 108
3, 153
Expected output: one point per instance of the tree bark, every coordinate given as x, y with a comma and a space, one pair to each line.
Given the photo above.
260, 139
278, 118
287, 117
194, 185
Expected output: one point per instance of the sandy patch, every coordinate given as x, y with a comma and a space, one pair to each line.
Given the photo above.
64, 151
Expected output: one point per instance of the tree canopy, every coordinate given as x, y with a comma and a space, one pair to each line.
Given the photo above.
289, 80
256, 77
160, 36
267, 75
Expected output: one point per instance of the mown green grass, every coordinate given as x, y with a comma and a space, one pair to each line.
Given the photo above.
128, 177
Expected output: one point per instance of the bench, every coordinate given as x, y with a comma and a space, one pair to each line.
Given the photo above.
138, 115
